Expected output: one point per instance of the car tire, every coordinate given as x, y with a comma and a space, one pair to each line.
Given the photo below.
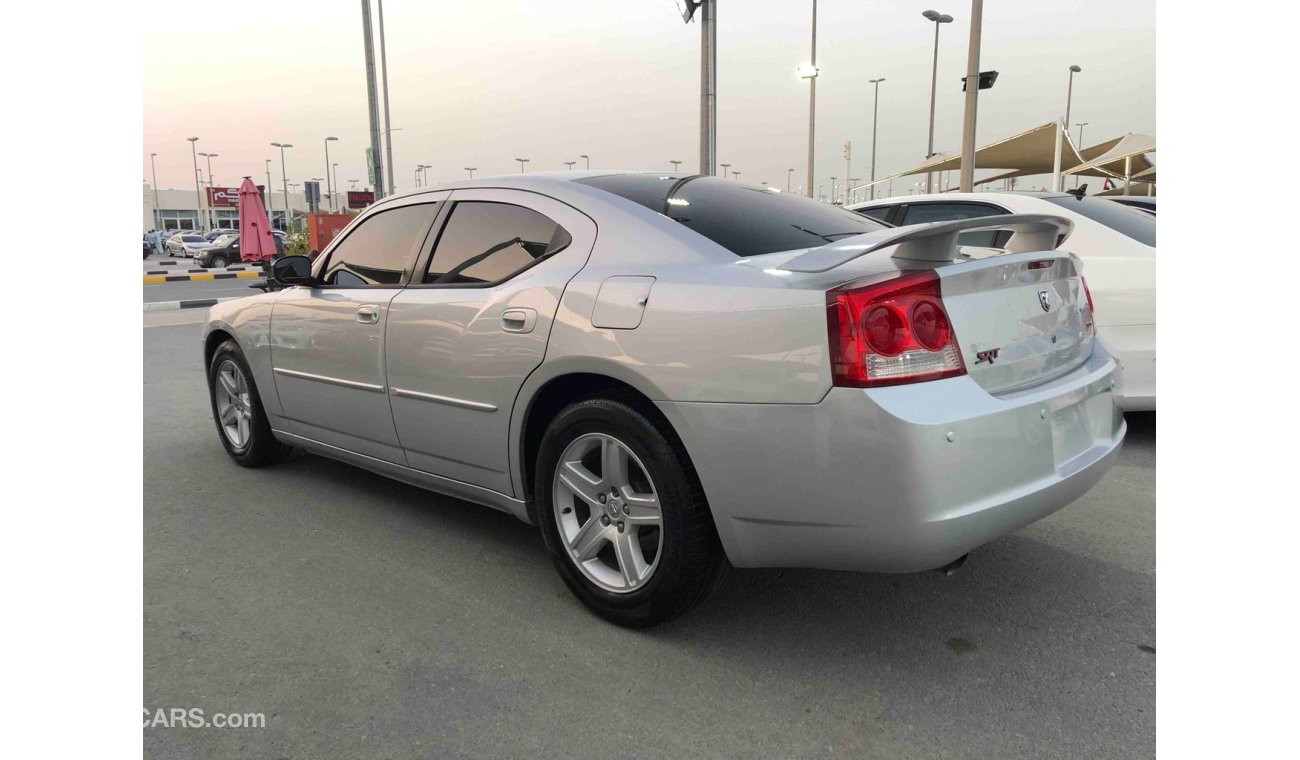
217, 262
246, 434
688, 562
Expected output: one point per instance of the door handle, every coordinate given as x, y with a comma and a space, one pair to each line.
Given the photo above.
368, 314
519, 320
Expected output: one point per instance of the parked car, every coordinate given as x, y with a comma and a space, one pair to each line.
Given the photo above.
1118, 249
186, 245
225, 251
212, 235
724, 375
148, 249
1141, 202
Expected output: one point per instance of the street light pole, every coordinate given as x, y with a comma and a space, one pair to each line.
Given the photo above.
471, 170
972, 98
328, 185
937, 18
198, 192
284, 178
875, 109
708, 86
811, 76
388, 124
157, 217
376, 152
270, 204
522, 161
677, 164
212, 222
334, 205
833, 190
1069, 96
725, 167
588, 158
789, 175
570, 164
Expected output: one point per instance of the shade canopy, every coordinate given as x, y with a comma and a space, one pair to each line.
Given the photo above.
256, 243
1132, 146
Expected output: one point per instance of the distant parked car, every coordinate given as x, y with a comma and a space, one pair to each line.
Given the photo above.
1140, 202
186, 244
225, 251
1117, 245
214, 234
148, 249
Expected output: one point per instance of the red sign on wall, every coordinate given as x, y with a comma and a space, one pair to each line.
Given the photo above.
360, 198
223, 197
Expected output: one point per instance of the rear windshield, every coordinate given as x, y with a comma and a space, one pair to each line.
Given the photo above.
1130, 222
746, 219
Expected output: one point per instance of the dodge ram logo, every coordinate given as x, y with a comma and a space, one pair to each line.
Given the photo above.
1045, 300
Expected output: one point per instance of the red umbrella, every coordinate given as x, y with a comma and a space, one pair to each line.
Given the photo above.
255, 240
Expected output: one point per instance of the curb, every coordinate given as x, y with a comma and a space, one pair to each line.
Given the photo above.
197, 303
154, 279
201, 270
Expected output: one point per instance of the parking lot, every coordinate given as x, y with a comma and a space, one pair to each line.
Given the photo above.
364, 617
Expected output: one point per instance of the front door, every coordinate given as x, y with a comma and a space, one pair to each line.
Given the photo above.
474, 323
327, 342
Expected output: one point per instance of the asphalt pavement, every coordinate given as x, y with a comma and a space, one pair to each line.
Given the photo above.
366, 618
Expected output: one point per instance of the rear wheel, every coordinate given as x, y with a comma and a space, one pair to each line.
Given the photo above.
242, 424
623, 514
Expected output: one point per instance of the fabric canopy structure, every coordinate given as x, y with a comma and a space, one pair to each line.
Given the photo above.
1136, 188
1030, 152
1034, 152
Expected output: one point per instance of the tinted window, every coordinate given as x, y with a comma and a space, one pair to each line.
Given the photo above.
922, 213
1127, 221
381, 248
489, 242
879, 212
747, 220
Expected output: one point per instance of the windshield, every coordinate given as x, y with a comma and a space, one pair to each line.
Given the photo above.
192, 239
748, 220
224, 240
1127, 221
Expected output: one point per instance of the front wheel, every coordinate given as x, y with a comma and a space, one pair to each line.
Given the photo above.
217, 262
624, 515
242, 424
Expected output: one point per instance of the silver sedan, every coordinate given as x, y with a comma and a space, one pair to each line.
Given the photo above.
671, 375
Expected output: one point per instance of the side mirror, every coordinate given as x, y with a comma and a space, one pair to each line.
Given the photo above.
292, 270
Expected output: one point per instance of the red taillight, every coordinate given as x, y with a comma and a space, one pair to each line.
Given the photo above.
890, 332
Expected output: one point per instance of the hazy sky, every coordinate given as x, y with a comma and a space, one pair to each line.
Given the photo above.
479, 83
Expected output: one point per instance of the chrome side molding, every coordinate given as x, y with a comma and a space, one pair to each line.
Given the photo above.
477, 406
330, 380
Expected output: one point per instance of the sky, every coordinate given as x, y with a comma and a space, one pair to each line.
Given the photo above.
481, 83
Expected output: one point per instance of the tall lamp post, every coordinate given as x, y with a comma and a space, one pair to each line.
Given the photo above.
270, 206
809, 71
570, 164
937, 18
875, 108
588, 160
329, 186
198, 192
725, 168
334, 205
284, 178
675, 165
522, 161
972, 97
388, 124
471, 170
212, 222
157, 218
833, 190
789, 175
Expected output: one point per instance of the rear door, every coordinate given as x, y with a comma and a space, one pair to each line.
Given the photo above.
474, 323
327, 342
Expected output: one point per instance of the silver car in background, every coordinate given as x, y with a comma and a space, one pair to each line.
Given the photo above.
674, 374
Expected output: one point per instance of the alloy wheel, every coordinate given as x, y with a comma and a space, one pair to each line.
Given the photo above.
234, 403
608, 513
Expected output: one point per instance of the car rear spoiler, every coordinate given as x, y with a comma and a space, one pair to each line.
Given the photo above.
937, 241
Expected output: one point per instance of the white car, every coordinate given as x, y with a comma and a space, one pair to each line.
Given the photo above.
668, 374
1116, 243
185, 245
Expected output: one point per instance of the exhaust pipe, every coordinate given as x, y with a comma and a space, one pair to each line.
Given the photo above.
952, 567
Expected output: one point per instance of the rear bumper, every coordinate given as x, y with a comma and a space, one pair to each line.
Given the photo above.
898, 479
